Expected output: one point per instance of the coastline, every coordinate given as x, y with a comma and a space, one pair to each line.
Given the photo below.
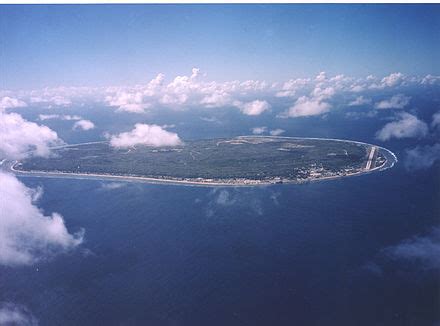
127, 178
206, 182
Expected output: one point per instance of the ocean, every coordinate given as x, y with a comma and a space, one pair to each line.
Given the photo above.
322, 253
309, 254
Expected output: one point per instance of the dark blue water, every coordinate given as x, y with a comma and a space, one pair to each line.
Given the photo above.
312, 254
294, 254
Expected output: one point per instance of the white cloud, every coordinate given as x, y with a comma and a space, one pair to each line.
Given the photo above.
19, 136
26, 234
277, 132
218, 98
406, 126
424, 251
43, 117
323, 93
84, 125
435, 120
430, 80
11, 103
290, 87
398, 101
112, 185
392, 80
183, 92
155, 83
306, 106
252, 108
357, 88
360, 100
193, 90
422, 157
259, 130
321, 76
57, 100
144, 134
15, 314
128, 102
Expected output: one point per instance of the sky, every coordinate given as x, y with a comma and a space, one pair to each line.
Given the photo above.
100, 45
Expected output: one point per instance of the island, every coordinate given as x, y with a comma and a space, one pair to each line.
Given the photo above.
243, 160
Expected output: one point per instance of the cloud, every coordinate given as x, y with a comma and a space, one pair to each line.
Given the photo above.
195, 91
259, 130
112, 185
15, 314
57, 100
26, 234
435, 120
218, 98
84, 125
222, 200
321, 76
421, 250
323, 93
144, 134
43, 117
422, 157
252, 108
11, 103
128, 102
290, 87
306, 106
360, 100
357, 88
430, 80
392, 80
188, 91
262, 130
398, 101
406, 126
276, 132
19, 136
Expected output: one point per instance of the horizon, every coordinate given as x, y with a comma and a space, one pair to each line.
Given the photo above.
103, 45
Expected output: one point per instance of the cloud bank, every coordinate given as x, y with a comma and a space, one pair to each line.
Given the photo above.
253, 108
405, 126
306, 106
15, 314
398, 101
423, 250
26, 234
303, 96
435, 120
422, 157
19, 136
360, 100
11, 103
144, 134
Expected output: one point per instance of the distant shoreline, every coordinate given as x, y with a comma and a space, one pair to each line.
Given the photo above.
126, 178
201, 181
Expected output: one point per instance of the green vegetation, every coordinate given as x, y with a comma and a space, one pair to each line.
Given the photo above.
260, 159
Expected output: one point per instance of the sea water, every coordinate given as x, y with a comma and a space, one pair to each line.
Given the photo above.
309, 254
